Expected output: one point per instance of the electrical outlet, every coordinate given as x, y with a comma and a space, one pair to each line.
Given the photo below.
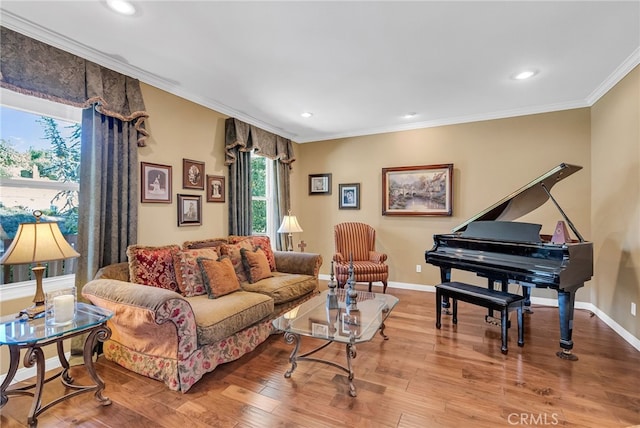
633, 309
418, 268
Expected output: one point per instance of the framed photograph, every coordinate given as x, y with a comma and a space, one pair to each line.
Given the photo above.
189, 210
349, 196
417, 190
319, 330
215, 188
155, 182
192, 174
319, 184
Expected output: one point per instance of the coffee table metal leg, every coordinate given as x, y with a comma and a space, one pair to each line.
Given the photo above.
14, 360
292, 338
351, 353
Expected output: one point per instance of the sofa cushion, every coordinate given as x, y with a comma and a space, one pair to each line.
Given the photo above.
153, 266
222, 317
219, 276
256, 265
188, 273
233, 252
283, 287
261, 241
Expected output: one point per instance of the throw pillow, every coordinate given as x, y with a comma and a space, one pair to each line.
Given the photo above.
255, 264
233, 252
188, 273
219, 276
153, 266
261, 241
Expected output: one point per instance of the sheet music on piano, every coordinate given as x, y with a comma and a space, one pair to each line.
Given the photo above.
494, 246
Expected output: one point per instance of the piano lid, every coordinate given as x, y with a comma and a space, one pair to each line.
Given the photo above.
523, 200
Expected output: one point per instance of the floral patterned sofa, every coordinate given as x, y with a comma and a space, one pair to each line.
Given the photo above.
179, 312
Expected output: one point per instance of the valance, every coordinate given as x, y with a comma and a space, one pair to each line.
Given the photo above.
34, 68
241, 136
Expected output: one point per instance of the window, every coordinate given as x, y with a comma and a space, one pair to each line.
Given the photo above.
39, 170
261, 178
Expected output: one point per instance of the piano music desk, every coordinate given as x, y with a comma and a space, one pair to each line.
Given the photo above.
492, 299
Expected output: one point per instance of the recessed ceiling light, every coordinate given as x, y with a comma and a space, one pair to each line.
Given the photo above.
122, 7
526, 74
306, 114
410, 115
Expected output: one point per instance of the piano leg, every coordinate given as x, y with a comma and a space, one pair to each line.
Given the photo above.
566, 300
445, 276
526, 293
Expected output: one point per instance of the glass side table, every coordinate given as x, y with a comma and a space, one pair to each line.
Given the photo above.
33, 335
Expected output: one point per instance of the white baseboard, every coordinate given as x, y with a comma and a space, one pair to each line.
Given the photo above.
628, 337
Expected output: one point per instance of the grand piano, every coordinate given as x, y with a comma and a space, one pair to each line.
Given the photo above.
493, 246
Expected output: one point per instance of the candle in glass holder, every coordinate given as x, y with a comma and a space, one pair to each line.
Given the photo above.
64, 308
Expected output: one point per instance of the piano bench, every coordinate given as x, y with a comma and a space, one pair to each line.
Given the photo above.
491, 299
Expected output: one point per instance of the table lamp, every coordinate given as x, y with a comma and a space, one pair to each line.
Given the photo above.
290, 225
36, 243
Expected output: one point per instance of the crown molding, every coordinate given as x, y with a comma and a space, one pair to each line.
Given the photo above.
618, 74
29, 29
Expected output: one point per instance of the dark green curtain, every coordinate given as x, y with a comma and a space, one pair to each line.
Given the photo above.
108, 203
240, 219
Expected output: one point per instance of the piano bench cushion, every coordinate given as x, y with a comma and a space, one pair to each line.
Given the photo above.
479, 295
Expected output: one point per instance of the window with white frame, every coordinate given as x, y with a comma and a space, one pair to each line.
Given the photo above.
261, 179
39, 170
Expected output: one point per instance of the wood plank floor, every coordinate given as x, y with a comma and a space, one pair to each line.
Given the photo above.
420, 377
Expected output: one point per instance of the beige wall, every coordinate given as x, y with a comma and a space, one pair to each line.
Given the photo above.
615, 208
491, 159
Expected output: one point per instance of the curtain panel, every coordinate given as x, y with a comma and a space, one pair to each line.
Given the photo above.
34, 68
240, 139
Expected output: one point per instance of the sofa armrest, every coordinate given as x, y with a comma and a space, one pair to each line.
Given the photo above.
148, 319
300, 263
119, 271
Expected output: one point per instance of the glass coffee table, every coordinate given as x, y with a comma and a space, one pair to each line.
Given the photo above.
33, 334
329, 317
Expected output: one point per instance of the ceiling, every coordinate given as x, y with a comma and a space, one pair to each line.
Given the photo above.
359, 67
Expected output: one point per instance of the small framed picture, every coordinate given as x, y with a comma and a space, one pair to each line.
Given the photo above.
215, 188
349, 196
319, 330
319, 184
189, 210
417, 190
155, 182
192, 174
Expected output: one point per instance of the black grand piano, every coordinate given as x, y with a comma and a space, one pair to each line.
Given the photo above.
492, 245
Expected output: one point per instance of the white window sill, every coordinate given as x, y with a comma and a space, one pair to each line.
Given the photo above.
20, 290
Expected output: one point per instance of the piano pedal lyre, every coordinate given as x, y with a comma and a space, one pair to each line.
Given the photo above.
495, 321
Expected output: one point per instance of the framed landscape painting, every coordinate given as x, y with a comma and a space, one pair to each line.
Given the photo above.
417, 190
155, 182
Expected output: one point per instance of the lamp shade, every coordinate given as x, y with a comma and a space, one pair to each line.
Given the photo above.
38, 242
289, 225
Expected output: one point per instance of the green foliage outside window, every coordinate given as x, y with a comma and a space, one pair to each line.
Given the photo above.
259, 193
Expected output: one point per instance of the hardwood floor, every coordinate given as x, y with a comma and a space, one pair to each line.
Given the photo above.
420, 377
